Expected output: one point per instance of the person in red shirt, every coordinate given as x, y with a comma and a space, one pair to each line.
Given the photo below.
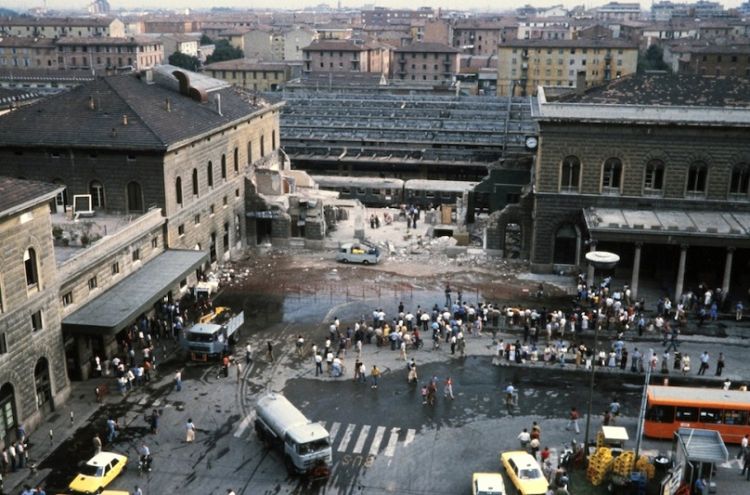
545, 454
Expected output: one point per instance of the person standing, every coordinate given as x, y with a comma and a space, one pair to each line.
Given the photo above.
97, 444
20, 454
374, 376
137, 490
12, 454
448, 388
524, 438
269, 350
704, 363
743, 447
534, 446
248, 353
189, 431
318, 364
178, 380
746, 464
720, 364
573, 421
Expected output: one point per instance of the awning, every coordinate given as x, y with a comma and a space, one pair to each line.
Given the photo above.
695, 227
702, 445
120, 305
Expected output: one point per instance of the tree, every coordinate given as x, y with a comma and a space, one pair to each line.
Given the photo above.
205, 40
185, 61
652, 60
224, 51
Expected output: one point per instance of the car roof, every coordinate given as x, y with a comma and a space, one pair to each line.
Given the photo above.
489, 481
103, 458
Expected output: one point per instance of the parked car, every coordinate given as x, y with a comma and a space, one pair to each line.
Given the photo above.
98, 472
487, 484
358, 253
524, 472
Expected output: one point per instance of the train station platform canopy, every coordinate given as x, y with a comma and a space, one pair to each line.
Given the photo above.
696, 227
120, 305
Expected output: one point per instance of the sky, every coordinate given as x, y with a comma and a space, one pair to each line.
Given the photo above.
481, 5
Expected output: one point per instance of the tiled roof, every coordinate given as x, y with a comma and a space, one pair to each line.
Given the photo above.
15, 193
670, 90
26, 42
41, 74
133, 40
335, 45
56, 21
67, 119
244, 64
426, 48
708, 47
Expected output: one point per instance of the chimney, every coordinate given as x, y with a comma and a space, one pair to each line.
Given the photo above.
218, 104
168, 105
580, 82
124, 120
92, 103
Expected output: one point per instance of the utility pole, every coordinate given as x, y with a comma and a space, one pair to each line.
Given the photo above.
642, 412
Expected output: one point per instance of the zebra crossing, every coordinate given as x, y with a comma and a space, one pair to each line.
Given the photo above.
367, 439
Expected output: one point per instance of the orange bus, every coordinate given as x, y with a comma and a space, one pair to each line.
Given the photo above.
670, 408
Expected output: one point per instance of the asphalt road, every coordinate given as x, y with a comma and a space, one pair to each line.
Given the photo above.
384, 440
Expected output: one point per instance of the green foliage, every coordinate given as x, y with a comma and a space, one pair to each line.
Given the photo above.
185, 61
205, 40
652, 60
224, 51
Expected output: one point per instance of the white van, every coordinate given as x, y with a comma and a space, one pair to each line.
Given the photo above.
358, 253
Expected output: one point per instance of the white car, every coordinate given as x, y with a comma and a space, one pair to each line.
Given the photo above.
358, 253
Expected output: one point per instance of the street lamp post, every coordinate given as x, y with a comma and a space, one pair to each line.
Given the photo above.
606, 261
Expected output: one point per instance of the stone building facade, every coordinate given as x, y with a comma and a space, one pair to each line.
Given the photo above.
666, 188
33, 381
426, 62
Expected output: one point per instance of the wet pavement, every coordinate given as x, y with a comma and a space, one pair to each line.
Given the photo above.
385, 440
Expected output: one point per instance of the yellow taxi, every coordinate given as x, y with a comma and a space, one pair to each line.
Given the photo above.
487, 484
524, 472
98, 472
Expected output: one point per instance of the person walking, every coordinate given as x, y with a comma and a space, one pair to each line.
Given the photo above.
374, 376
534, 446
524, 438
448, 388
189, 431
269, 350
573, 421
704, 363
720, 364
248, 353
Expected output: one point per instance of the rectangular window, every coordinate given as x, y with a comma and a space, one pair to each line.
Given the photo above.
237, 193
197, 219
92, 283
67, 299
224, 201
136, 254
115, 268
211, 209
155, 242
181, 229
686, 414
3, 343
36, 321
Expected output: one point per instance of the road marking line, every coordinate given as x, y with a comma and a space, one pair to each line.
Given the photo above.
410, 434
243, 426
390, 449
375, 447
361, 439
334, 430
143, 401
347, 438
156, 403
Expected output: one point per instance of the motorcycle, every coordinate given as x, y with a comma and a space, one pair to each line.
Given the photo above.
144, 464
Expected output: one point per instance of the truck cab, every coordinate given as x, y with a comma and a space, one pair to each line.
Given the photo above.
358, 253
213, 335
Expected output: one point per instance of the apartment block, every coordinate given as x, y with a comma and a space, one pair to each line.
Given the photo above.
426, 62
256, 76
58, 27
106, 54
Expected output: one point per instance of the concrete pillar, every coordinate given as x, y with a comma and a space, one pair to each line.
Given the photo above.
727, 273
590, 272
680, 272
636, 270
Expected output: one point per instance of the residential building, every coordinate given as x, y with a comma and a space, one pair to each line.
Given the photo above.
708, 58
474, 37
426, 62
32, 361
380, 15
98, 7
276, 45
346, 56
58, 27
562, 65
43, 81
618, 11
180, 43
23, 52
655, 168
107, 54
257, 76
553, 11
434, 31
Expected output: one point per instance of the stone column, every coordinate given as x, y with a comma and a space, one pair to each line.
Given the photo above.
636, 270
590, 272
727, 273
680, 272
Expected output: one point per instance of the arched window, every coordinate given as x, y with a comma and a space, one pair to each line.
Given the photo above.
96, 190
135, 197
567, 245
611, 175
210, 174
178, 190
236, 159
570, 174
653, 180
32, 269
739, 183
697, 175
223, 166
195, 182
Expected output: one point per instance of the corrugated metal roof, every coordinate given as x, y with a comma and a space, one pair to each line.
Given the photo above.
702, 445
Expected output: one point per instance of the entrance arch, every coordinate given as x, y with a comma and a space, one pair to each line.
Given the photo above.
567, 250
43, 387
8, 418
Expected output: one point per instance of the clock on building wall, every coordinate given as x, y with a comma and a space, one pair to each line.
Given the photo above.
532, 142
